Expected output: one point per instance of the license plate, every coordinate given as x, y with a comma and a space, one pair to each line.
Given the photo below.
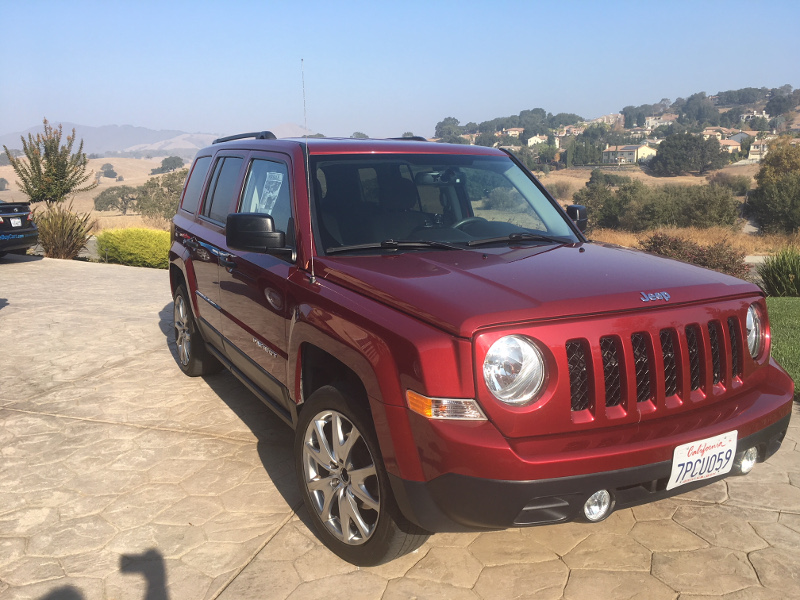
703, 459
16, 222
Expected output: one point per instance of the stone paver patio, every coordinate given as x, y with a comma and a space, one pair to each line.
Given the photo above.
120, 478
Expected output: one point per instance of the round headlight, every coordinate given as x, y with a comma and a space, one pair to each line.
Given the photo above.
755, 332
514, 369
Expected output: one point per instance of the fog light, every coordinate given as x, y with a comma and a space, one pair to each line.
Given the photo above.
597, 506
749, 459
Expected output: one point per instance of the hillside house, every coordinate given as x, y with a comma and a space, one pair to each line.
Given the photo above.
514, 132
658, 121
753, 114
534, 140
631, 154
730, 146
759, 148
742, 135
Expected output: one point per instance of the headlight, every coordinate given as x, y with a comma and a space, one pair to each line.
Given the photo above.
514, 369
755, 331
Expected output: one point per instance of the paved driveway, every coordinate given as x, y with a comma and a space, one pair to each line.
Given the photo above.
121, 478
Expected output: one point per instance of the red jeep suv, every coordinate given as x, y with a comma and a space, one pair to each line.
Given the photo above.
451, 351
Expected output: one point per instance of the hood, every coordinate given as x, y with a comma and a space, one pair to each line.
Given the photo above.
463, 291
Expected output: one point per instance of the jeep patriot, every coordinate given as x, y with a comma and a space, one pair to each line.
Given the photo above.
451, 351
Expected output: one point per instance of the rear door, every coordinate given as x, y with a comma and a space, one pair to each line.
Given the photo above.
253, 286
208, 238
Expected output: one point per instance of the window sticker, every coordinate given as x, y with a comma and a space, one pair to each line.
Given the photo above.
270, 191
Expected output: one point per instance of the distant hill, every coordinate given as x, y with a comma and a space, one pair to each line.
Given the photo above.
130, 139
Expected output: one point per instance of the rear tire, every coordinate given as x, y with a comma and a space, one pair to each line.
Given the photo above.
194, 358
344, 483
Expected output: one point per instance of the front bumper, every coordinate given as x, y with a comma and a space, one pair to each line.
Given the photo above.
454, 502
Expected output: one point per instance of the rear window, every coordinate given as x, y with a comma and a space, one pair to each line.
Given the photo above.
194, 186
223, 188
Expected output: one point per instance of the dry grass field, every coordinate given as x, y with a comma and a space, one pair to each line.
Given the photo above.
134, 172
749, 244
577, 178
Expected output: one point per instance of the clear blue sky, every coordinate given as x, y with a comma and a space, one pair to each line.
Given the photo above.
378, 67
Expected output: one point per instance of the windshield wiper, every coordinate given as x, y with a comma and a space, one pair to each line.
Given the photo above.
521, 236
394, 245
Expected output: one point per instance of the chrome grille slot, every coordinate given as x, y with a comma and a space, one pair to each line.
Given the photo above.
733, 333
713, 337
578, 375
642, 363
692, 332
670, 363
611, 370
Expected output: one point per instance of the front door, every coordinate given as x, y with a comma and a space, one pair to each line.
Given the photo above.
253, 285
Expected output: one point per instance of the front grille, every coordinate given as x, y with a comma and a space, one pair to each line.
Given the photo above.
655, 364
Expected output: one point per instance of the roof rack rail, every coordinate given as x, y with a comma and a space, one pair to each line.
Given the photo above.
410, 138
259, 135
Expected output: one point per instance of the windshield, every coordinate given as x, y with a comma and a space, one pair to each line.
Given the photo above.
369, 199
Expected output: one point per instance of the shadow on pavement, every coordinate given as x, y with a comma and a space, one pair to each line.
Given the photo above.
149, 564
20, 258
64, 593
275, 438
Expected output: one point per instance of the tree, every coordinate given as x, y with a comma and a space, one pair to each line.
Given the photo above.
775, 203
122, 198
108, 170
52, 171
447, 128
408, 134
684, 153
3, 184
168, 165
358, 135
159, 196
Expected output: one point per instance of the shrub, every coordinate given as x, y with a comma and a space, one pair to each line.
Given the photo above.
62, 233
610, 179
780, 274
560, 189
637, 207
502, 199
738, 184
135, 247
719, 256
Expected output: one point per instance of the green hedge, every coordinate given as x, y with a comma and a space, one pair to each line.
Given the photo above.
135, 247
786, 335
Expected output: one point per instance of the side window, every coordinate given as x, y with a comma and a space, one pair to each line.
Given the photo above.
266, 191
222, 188
195, 184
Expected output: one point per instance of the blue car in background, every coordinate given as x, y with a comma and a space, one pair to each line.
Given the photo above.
18, 232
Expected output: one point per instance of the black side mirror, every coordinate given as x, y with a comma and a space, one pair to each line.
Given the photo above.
253, 232
579, 214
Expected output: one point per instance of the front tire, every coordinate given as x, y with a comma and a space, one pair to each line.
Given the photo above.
194, 358
344, 483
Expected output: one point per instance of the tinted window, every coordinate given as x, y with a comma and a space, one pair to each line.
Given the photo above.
222, 189
266, 191
195, 184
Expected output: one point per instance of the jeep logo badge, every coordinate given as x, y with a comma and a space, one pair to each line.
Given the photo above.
656, 296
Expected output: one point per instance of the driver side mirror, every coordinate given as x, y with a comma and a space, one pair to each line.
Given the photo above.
579, 214
254, 232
